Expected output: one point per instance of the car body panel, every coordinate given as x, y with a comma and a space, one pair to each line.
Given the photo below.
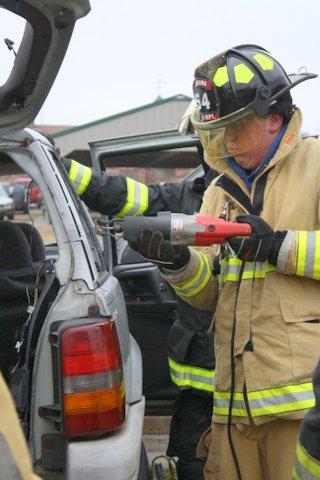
45, 41
113, 457
85, 286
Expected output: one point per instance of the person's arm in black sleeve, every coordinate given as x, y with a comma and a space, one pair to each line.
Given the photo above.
179, 197
307, 462
121, 196
100, 192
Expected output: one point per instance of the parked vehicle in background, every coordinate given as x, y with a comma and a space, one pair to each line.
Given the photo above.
6, 204
33, 193
73, 368
19, 195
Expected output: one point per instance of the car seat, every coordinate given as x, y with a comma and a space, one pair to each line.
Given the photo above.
17, 286
35, 242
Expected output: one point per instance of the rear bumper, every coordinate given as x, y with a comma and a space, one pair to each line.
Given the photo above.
115, 457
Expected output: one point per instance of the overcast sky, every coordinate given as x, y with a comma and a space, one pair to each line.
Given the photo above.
124, 53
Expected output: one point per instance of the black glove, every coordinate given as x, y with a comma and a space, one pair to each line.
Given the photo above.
152, 246
263, 244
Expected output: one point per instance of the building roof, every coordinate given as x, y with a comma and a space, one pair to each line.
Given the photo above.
158, 101
51, 129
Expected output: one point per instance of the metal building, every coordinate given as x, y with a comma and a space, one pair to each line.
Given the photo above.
163, 114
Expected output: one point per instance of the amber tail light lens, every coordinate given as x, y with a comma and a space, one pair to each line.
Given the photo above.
92, 379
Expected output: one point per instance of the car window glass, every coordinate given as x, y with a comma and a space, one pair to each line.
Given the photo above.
86, 220
24, 204
9, 44
153, 166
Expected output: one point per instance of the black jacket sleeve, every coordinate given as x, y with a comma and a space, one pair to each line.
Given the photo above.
105, 194
310, 429
108, 194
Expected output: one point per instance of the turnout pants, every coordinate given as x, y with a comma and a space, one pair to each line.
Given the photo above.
264, 452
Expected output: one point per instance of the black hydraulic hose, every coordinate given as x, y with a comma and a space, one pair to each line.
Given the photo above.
233, 373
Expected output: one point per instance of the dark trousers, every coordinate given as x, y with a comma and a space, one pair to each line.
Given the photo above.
192, 416
190, 470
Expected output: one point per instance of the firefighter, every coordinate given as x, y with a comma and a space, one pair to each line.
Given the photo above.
190, 347
264, 289
15, 463
307, 464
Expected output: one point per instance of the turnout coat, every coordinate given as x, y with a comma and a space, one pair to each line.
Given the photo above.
278, 310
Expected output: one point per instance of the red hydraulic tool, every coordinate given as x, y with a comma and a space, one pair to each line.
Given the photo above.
181, 229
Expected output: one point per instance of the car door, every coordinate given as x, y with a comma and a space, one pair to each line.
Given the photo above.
150, 301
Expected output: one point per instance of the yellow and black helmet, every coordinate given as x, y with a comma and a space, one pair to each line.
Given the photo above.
241, 78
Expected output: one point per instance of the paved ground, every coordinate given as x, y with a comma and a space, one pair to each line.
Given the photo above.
155, 438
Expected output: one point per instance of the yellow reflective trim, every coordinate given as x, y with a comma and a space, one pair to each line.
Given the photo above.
295, 476
249, 274
236, 410
130, 198
316, 269
265, 62
204, 372
270, 401
308, 462
221, 76
79, 176
184, 375
73, 172
187, 382
276, 391
144, 199
85, 180
230, 268
282, 408
203, 266
226, 395
301, 253
243, 74
137, 199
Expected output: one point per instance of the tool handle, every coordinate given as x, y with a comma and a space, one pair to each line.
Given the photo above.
133, 226
217, 230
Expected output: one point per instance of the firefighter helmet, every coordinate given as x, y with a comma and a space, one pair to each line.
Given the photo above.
238, 88
244, 76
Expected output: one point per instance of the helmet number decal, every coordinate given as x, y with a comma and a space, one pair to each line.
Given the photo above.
205, 99
202, 100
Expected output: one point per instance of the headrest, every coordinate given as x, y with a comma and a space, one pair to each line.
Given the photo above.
35, 241
14, 248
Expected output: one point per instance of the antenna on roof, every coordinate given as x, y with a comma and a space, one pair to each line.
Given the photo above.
10, 44
160, 84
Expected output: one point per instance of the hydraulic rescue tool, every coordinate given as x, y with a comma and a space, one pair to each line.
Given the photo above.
194, 230
181, 229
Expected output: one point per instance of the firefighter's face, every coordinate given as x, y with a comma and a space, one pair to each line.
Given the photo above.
262, 132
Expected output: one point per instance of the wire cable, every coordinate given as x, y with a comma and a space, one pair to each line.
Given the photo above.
233, 373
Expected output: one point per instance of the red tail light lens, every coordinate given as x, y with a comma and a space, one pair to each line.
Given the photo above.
93, 388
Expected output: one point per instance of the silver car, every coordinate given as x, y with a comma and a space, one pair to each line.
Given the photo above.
6, 204
73, 368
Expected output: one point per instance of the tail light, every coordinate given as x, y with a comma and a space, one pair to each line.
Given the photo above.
92, 379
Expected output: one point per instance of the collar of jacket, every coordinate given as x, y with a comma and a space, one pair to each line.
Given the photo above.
289, 141
249, 178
